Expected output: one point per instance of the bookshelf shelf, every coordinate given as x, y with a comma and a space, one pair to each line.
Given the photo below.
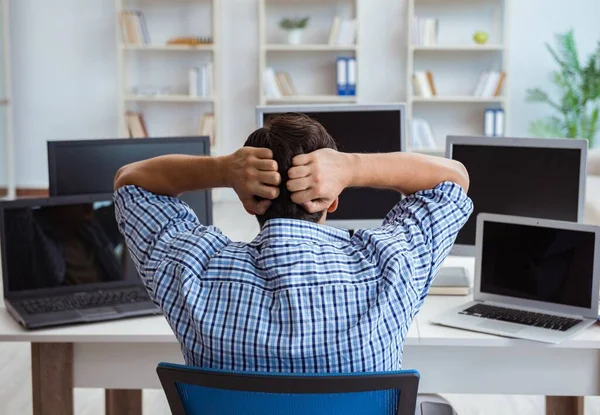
174, 48
310, 48
458, 48
443, 60
458, 99
306, 72
312, 99
144, 26
167, 98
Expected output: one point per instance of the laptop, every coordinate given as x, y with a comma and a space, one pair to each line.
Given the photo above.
64, 261
535, 279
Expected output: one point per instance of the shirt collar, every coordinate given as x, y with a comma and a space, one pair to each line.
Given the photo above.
297, 229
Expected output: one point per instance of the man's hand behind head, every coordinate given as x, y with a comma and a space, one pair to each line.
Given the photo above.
316, 179
253, 172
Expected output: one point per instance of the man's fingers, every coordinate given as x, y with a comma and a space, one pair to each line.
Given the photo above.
265, 165
299, 172
258, 208
262, 153
297, 185
270, 177
301, 159
302, 197
315, 206
266, 191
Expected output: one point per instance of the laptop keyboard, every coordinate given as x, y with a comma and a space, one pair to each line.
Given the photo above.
527, 318
85, 300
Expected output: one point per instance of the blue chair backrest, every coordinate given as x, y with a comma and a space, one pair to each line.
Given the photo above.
198, 391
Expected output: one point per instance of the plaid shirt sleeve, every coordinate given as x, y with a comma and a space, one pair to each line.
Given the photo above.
417, 235
154, 226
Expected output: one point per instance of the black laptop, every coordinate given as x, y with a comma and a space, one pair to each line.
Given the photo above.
64, 261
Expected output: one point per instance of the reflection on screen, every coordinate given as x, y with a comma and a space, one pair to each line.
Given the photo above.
363, 132
550, 265
55, 246
520, 181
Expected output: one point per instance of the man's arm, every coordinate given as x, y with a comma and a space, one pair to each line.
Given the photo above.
317, 178
249, 171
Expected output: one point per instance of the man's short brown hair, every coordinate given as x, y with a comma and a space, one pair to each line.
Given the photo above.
288, 135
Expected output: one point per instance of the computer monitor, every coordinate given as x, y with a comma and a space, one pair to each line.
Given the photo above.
356, 129
89, 166
539, 178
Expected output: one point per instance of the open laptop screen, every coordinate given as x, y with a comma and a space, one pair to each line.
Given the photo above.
538, 263
52, 243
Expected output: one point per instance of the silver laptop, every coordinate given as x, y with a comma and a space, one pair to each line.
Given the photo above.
535, 279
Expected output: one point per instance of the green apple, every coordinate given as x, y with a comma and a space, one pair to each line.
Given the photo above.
481, 37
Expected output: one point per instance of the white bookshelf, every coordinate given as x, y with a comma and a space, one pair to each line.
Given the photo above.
7, 171
162, 65
456, 63
312, 63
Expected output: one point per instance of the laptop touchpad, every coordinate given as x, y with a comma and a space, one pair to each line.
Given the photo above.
500, 326
98, 312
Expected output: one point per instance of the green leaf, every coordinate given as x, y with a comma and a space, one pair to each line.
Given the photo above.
550, 127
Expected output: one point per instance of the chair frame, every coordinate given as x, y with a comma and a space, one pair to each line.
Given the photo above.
406, 381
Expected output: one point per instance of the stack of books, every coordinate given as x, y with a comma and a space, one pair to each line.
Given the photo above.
201, 81
207, 127
278, 84
490, 84
343, 32
422, 135
425, 31
134, 30
423, 84
346, 76
136, 126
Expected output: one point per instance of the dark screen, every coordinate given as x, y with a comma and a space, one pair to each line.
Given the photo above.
520, 181
536, 263
363, 132
90, 167
66, 245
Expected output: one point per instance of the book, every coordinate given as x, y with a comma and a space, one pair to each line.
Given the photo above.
437, 290
424, 87
425, 31
284, 83
422, 135
206, 80
334, 32
134, 29
193, 77
430, 82
289, 83
499, 122
489, 122
136, 125
351, 74
481, 84
500, 84
342, 76
270, 83
347, 33
490, 84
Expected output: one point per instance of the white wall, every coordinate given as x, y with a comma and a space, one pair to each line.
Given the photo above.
64, 66
533, 22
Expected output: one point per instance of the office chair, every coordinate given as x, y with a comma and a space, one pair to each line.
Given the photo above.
197, 391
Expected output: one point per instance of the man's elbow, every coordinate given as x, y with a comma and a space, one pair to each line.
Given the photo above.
462, 176
121, 178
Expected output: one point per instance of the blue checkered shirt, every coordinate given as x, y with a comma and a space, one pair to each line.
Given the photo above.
301, 297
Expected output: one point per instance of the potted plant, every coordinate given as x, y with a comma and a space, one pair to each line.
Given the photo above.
578, 106
294, 27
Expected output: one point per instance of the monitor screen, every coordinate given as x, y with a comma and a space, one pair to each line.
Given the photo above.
534, 182
63, 245
362, 131
538, 263
89, 166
